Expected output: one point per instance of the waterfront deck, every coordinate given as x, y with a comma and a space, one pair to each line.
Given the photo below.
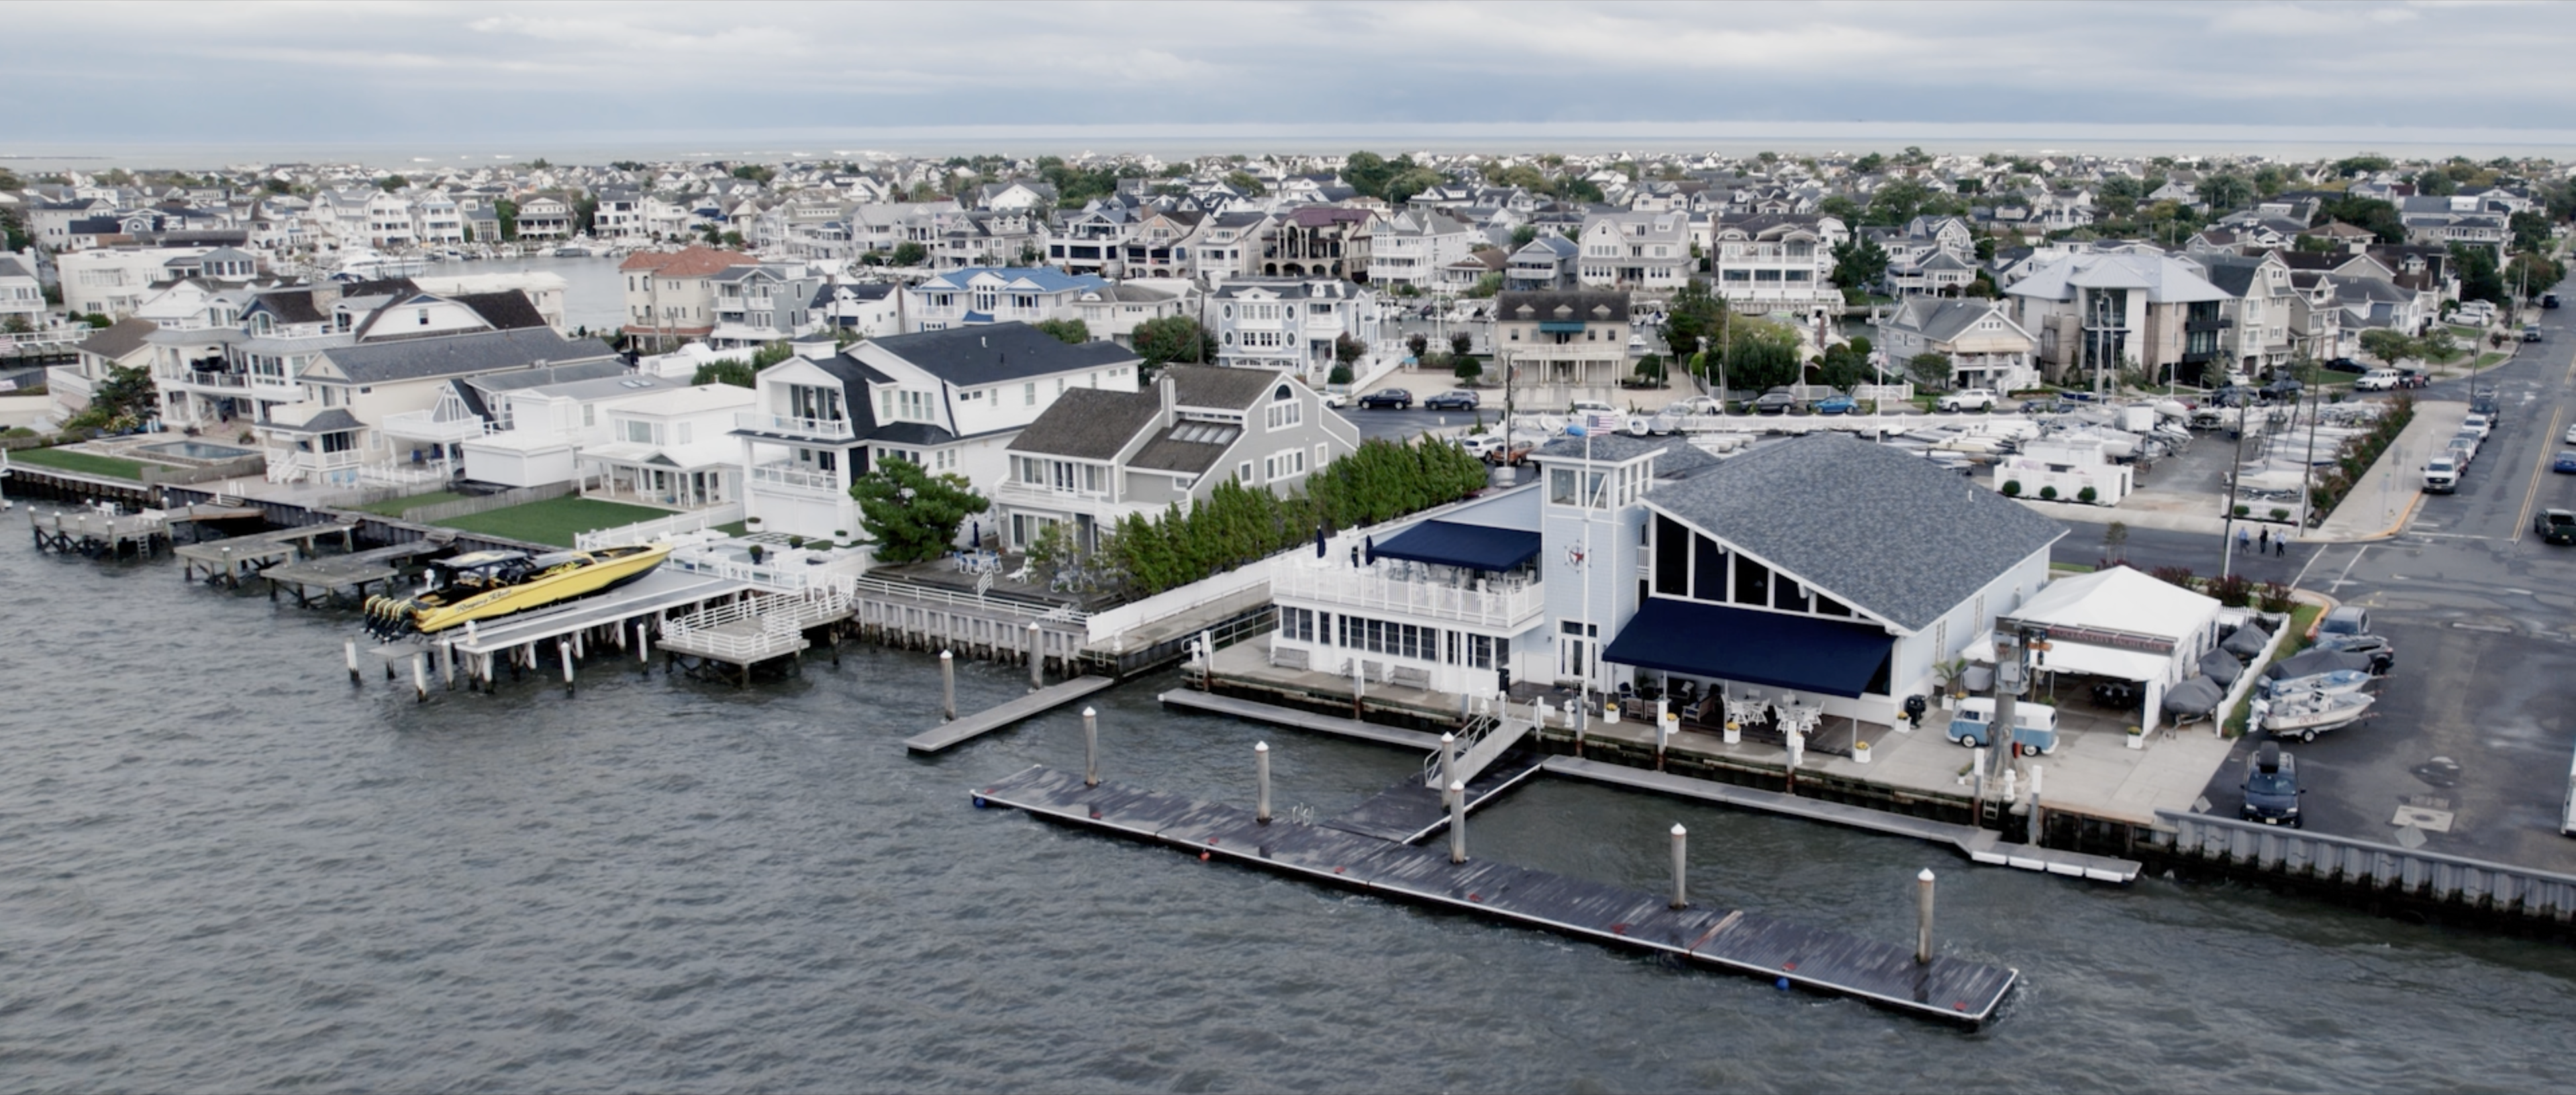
994, 718
98, 535
231, 559
354, 572
1821, 960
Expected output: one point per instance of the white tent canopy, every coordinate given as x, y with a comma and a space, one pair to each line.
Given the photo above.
2123, 601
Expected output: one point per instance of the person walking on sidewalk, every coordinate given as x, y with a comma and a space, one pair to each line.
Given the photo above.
2263, 542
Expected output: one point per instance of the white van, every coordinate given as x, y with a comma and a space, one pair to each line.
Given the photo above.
2441, 475
2377, 380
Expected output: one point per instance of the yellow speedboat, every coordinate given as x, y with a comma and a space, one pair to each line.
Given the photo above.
483, 585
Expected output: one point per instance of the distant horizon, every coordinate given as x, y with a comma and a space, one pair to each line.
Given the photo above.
1176, 142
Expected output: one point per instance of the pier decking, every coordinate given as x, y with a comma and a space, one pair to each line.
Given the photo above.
994, 718
1411, 811
1950, 989
655, 593
1980, 845
354, 572
1298, 720
99, 535
230, 559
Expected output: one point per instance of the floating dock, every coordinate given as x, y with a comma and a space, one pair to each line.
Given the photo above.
1980, 845
1252, 711
1949, 989
994, 718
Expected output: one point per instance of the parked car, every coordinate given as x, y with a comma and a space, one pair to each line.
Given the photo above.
2570, 438
1967, 399
2282, 391
2441, 475
1455, 399
2465, 443
1336, 399
2531, 332
2549, 300
1511, 450
1383, 398
2272, 786
2345, 620
2413, 378
2346, 365
1775, 401
2478, 424
1837, 404
2555, 526
2377, 380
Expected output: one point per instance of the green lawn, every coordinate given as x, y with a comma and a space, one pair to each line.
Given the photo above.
85, 463
394, 507
2488, 360
555, 520
735, 529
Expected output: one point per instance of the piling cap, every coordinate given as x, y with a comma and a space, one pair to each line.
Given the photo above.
1447, 739
1260, 747
943, 655
1454, 785
1926, 876
1678, 830
1089, 713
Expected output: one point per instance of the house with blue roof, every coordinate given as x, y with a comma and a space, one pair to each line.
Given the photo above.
979, 295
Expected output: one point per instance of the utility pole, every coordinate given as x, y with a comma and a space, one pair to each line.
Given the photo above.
2235, 472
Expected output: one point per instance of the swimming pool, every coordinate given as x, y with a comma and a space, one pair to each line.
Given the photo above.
194, 451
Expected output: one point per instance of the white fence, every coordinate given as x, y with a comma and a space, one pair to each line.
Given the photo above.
645, 532
1291, 576
1173, 602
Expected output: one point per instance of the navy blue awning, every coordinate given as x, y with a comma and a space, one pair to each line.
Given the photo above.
1473, 546
1754, 647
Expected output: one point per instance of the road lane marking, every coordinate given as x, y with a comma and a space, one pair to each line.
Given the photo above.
2533, 495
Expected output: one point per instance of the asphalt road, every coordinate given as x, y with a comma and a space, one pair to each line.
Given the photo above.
2473, 726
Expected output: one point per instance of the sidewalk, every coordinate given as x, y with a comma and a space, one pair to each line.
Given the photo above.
2381, 503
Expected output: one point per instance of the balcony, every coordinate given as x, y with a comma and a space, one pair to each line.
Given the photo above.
2214, 324
793, 478
219, 381
1032, 494
820, 429
426, 426
1374, 592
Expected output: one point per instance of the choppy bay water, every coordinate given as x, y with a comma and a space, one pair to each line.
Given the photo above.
223, 868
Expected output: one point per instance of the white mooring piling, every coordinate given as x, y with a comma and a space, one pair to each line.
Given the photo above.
1261, 765
1923, 917
447, 663
349, 654
1090, 747
947, 687
1457, 823
565, 650
1681, 866
1037, 659
644, 645
420, 677
1448, 764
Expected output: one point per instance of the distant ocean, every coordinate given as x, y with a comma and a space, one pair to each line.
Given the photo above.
1180, 142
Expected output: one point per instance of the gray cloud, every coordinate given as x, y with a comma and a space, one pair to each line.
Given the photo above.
366, 73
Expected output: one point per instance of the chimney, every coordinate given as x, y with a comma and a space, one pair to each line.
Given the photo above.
325, 294
1168, 393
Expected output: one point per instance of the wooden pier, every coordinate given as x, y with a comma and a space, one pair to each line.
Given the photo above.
354, 572
1252, 711
1949, 989
1980, 845
99, 534
994, 718
229, 560
758, 628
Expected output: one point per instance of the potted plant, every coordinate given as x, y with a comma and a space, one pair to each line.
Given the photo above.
756, 552
752, 523
2137, 737
795, 540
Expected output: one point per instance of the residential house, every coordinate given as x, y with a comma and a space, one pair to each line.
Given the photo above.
1092, 240
544, 217
1556, 346
1465, 274
1161, 243
671, 295
1547, 261
1410, 248
980, 238
2255, 319
122, 345
114, 281
1100, 455
2458, 219
22, 295
947, 400
1319, 241
521, 428
977, 296
670, 449
1635, 251
1770, 262
1292, 323
2098, 313
863, 309
1929, 256
1986, 348
1231, 246
1112, 312
337, 430
620, 216
763, 303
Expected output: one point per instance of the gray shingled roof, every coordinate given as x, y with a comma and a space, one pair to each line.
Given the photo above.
993, 353
119, 339
457, 355
1220, 387
1089, 424
1894, 534
1679, 458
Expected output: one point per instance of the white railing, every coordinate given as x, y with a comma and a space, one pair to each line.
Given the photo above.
776, 626
790, 477
932, 595
213, 380
67, 380
1372, 590
1173, 602
837, 429
780, 569
1040, 494
41, 339
427, 426
645, 532
402, 474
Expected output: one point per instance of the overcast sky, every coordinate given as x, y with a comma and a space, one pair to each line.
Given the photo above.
214, 71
